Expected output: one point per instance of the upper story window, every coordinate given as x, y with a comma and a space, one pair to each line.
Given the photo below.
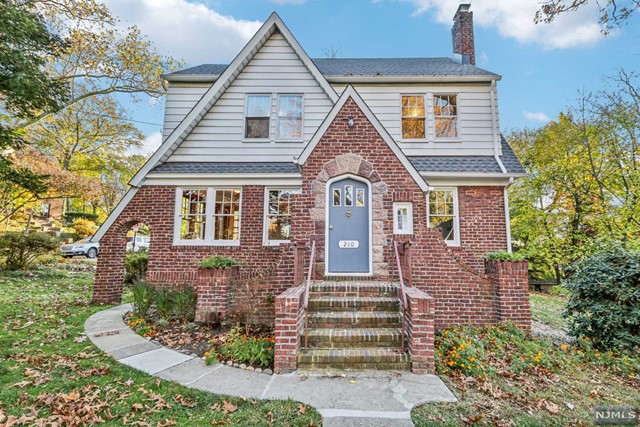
257, 113
207, 216
290, 117
445, 110
442, 212
413, 117
278, 215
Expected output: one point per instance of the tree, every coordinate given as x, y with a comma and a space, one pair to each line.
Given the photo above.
613, 13
584, 179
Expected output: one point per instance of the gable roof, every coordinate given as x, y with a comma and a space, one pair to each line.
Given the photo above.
211, 96
332, 68
350, 92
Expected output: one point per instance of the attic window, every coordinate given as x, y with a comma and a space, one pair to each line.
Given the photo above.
257, 117
445, 110
413, 117
290, 117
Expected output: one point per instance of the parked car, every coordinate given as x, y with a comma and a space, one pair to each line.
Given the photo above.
140, 243
81, 247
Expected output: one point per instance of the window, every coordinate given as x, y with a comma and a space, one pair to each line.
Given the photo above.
257, 117
207, 216
442, 207
413, 117
290, 117
348, 195
360, 197
192, 216
278, 215
226, 216
445, 110
403, 218
337, 196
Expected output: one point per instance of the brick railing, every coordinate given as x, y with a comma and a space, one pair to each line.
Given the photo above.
420, 332
512, 291
288, 328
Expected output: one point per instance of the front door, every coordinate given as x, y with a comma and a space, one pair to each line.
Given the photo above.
348, 250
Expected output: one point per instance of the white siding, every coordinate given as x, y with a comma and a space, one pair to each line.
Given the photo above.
218, 137
474, 115
181, 97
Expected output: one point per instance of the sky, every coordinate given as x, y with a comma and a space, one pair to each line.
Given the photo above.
543, 66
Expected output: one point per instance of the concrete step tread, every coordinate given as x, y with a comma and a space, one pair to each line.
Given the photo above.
361, 332
353, 355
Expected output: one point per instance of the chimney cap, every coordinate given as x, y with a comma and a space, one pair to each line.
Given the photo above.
464, 7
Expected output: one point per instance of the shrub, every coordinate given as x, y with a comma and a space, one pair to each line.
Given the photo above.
135, 264
505, 256
144, 296
185, 300
257, 352
83, 228
164, 303
70, 217
21, 250
604, 302
218, 262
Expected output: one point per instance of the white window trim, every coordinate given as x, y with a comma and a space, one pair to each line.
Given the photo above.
458, 137
209, 218
277, 115
456, 214
409, 207
426, 118
244, 117
265, 223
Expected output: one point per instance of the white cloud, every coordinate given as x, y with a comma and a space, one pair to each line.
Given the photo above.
536, 116
185, 30
514, 19
150, 144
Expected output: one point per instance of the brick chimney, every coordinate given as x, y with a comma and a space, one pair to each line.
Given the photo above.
462, 35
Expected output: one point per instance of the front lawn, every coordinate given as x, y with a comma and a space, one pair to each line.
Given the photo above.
505, 377
51, 373
547, 309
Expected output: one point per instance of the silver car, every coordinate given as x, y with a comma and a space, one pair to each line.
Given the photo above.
81, 247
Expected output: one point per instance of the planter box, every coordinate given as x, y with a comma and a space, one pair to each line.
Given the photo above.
214, 289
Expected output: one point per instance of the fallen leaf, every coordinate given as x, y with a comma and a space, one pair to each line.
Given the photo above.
137, 407
552, 407
22, 384
302, 409
228, 407
218, 423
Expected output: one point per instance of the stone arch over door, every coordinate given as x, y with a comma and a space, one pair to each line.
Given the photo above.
109, 280
353, 164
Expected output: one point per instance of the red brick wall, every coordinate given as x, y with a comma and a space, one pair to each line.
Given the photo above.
512, 291
420, 332
462, 34
288, 328
169, 264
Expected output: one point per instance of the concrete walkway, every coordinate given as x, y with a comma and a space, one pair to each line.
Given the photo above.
344, 399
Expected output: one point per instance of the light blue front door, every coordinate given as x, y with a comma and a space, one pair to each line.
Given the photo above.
348, 230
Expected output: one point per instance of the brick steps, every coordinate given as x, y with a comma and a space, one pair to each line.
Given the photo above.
354, 289
333, 303
353, 338
354, 358
353, 325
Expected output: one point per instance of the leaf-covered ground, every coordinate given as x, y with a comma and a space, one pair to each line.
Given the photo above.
51, 373
547, 309
507, 378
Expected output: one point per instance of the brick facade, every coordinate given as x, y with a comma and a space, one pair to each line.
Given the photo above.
214, 293
289, 315
512, 291
462, 34
420, 331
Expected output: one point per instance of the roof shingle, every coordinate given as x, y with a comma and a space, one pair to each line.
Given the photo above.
225, 167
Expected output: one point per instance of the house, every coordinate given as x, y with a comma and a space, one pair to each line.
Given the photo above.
363, 175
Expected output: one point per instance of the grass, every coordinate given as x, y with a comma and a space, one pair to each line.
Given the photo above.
548, 309
505, 377
50, 372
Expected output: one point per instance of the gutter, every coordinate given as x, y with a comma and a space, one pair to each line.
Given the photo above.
494, 131
210, 78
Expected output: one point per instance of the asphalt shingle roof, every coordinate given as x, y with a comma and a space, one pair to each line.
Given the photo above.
225, 167
371, 67
467, 164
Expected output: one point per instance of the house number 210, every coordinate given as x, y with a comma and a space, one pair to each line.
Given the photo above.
348, 244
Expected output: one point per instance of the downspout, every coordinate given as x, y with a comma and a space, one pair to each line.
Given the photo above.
507, 216
494, 128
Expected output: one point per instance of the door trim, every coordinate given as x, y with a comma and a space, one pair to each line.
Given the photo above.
326, 225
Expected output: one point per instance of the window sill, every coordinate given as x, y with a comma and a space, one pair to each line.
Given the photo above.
448, 140
412, 141
274, 243
452, 244
289, 140
261, 140
230, 243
